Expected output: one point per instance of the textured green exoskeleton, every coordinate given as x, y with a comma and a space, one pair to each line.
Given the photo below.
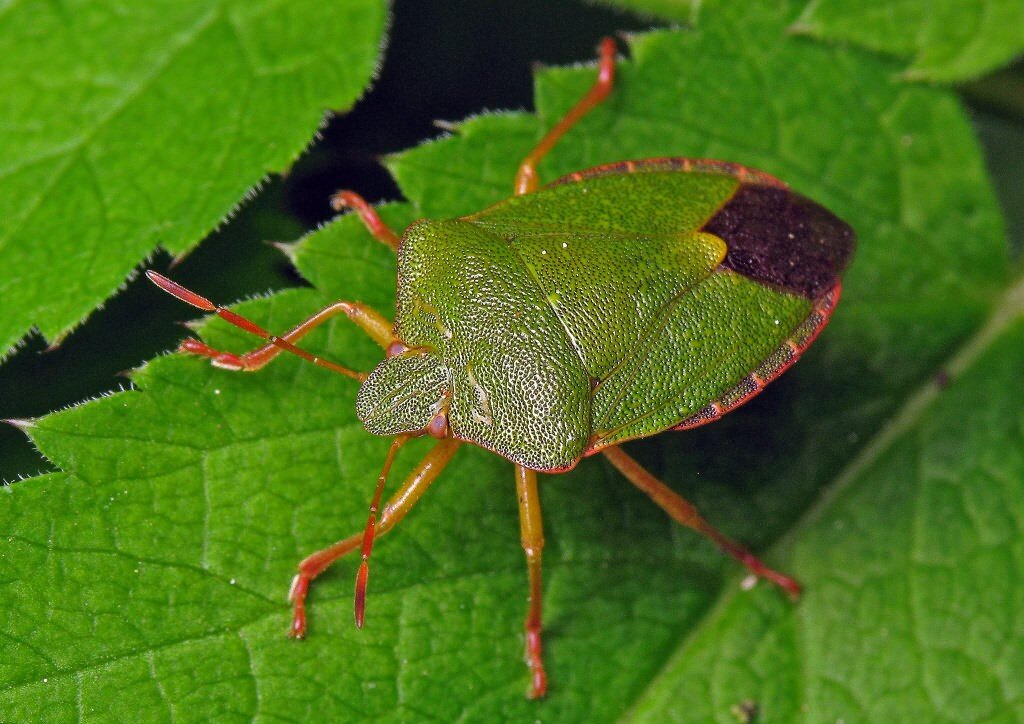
590, 312
612, 304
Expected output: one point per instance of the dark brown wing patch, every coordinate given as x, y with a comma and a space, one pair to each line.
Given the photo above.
781, 238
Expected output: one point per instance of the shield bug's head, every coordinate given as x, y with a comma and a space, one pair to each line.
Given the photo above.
407, 393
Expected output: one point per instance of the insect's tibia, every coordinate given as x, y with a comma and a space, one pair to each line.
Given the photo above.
606, 72
373, 223
293, 589
370, 533
527, 179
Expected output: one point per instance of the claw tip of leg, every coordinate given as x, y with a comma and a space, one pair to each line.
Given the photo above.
539, 685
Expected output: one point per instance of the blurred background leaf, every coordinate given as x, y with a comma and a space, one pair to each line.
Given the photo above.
945, 40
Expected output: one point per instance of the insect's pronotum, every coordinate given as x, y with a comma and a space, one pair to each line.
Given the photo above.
612, 304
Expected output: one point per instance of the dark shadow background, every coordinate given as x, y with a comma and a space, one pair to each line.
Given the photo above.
445, 60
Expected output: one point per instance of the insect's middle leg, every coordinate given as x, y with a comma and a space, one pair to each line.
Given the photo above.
532, 533
526, 178
396, 508
683, 511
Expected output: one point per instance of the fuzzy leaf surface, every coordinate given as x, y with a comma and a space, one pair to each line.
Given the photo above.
128, 126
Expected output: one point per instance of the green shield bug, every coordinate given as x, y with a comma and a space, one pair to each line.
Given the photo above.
612, 304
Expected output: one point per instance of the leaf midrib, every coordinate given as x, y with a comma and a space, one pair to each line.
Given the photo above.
1009, 307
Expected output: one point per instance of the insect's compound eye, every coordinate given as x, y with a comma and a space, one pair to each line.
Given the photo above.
438, 425
396, 348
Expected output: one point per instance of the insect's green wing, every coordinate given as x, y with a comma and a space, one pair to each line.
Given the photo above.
700, 348
609, 253
674, 284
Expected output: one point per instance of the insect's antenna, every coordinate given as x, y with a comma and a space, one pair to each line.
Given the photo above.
371, 531
201, 302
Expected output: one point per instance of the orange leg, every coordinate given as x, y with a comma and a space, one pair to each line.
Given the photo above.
683, 511
395, 509
196, 347
526, 178
380, 231
532, 533
370, 532
367, 318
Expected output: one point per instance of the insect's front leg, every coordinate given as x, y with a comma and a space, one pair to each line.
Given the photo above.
527, 179
375, 324
365, 317
373, 223
532, 532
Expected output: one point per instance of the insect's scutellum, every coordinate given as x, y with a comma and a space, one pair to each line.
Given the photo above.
486, 344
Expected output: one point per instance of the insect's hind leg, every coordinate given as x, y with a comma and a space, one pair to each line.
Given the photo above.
684, 512
526, 178
396, 508
532, 533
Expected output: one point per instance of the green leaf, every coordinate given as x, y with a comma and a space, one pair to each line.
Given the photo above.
143, 125
915, 552
945, 40
147, 581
